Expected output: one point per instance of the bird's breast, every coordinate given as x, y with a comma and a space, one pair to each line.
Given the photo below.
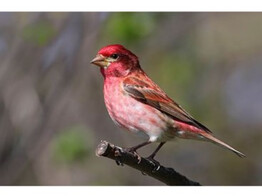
133, 115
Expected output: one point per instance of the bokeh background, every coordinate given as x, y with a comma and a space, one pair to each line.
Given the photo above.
52, 113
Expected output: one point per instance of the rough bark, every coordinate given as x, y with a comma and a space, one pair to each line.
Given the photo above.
166, 175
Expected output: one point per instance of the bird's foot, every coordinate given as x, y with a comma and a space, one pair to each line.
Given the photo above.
118, 156
133, 151
155, 163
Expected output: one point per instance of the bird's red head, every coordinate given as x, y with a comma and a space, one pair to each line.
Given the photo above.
115, 60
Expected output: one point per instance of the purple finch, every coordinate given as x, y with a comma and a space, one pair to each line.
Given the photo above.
137, 104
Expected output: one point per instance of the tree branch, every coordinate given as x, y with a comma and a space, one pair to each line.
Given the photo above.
166, 175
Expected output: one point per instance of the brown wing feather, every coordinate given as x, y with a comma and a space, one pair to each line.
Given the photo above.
144, 92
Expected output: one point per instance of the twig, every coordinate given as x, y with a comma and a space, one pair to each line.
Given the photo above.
166, 175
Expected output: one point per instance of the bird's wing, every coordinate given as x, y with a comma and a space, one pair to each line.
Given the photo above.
145, 92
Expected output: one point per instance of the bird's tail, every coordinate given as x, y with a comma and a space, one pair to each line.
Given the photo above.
214, 140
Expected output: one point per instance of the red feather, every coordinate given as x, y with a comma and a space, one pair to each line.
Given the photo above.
136, 103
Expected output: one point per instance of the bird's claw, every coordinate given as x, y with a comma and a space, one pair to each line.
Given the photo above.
118, 157
133, 151
137, 156
155, 163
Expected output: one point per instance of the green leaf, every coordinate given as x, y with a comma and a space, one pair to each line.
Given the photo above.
73, 144
129, 27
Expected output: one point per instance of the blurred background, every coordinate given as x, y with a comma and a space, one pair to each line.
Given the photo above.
52, 113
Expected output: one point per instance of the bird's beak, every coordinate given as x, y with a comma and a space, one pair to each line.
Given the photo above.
100, 61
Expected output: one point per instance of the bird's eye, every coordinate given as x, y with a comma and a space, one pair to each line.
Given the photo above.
114, 56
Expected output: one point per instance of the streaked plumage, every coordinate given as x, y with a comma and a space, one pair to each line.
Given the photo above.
137, 104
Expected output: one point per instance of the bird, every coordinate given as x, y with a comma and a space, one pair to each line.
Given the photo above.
137, 104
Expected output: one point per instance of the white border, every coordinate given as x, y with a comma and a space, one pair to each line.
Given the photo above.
131, 5
128, 191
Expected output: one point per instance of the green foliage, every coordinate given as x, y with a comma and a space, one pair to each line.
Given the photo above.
40, 33
129, 27
73, 144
